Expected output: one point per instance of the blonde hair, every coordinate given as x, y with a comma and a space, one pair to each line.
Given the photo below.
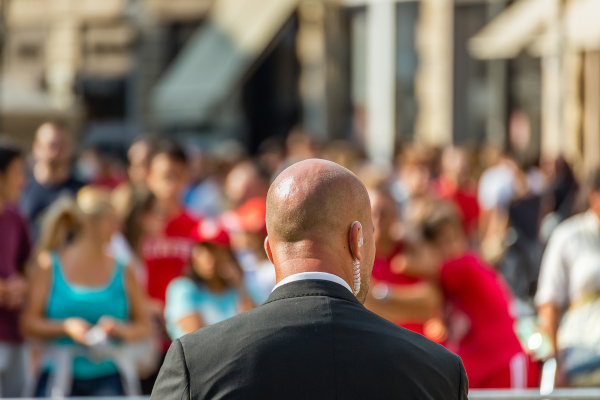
66, 215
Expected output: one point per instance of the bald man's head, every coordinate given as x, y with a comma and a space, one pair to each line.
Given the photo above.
314, 197
311, 208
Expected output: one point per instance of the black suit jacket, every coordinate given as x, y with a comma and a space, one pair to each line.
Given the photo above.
311, 339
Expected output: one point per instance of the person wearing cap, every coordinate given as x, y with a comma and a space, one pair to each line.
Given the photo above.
248, 232
211, 289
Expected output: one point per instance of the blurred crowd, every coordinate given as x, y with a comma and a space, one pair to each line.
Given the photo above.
105, 259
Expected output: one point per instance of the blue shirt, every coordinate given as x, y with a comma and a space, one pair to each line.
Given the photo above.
185, 298
89, 303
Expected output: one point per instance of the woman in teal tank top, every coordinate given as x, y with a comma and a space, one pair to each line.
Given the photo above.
81, 297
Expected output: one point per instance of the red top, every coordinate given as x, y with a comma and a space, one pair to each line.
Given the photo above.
382, 272
15, 247
464, 198
167, 255
481, 327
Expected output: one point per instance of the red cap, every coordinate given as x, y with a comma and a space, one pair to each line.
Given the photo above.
210, 231
250, 217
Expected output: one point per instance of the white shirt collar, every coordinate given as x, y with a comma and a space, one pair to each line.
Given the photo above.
323, 276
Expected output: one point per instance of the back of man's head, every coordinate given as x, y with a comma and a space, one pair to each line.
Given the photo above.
316, 213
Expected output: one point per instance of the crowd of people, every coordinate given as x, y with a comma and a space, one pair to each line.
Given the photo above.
99, 256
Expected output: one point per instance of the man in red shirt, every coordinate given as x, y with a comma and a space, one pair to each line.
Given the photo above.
477, 303
166, 254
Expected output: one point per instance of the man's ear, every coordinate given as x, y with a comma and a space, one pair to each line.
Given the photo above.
355, 240
268, 250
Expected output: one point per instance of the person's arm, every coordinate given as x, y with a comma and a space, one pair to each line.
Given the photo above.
180, 308
15, 287
417, 302
173, 381
552, 293
549, 318
139, 326
190, 323
246, 303
34, 322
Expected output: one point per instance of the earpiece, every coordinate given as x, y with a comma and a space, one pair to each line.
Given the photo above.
360, 238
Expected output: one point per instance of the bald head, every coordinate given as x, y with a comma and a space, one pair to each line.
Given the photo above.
312, 212
313, 198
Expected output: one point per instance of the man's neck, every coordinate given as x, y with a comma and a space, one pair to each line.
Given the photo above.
295, 266
46, 174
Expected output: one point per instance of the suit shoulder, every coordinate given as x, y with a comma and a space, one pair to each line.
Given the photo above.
402, 335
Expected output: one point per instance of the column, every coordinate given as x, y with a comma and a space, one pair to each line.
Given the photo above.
380, 81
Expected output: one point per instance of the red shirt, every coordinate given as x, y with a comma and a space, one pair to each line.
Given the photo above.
480, 325
167, 255
382, 272
464, 198
14, 252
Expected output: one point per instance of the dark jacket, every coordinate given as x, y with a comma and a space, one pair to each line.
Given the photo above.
311, 339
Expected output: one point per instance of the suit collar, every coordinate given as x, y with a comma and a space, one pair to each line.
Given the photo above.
311, 287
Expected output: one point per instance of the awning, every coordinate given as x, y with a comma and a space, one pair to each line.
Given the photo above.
514, 29
581, 29
216, 58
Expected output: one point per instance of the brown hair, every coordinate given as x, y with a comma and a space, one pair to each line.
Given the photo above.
437, 215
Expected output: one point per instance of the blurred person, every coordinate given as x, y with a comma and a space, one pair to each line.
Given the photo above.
244, 182
248, 230
165, 243
271, 155
78, 291
204, 196
560, 196
521, 248
413, 184
138, 162
138, 159
299, 145
14, 252
51, 175
342, 152
477, 308
99, 167
455, 184
497, 187
140, 222
309, 340
405, 300
167, 253
111, 171
567, 296
211, 290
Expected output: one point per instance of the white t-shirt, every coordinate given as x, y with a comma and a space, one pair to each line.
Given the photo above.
571, 263
496, 187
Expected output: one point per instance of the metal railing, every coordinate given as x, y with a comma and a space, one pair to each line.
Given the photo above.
558, 394
562, 394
